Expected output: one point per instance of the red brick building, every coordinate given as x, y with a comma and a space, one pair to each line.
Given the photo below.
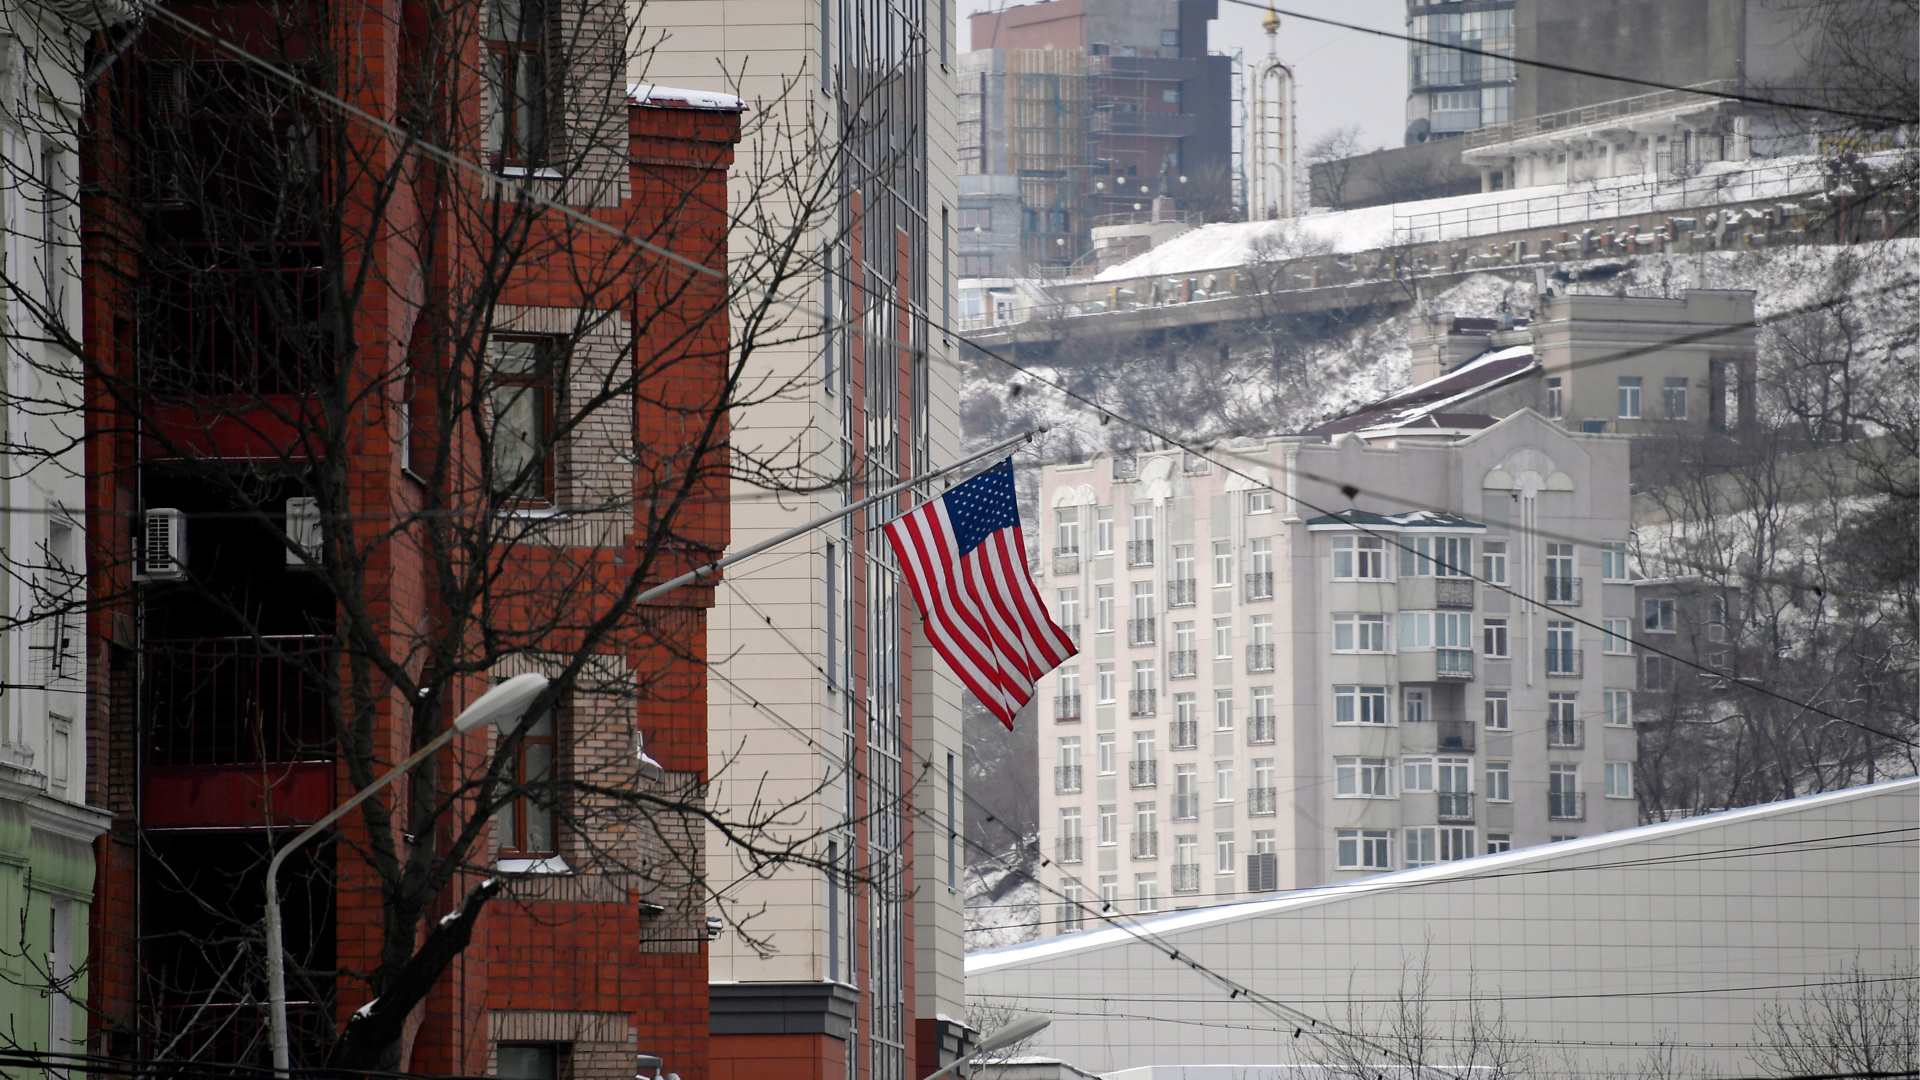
371, 426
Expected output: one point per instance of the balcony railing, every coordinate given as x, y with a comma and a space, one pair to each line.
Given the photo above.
1259, 658
1262, 801
1453, 663
1457, 734
1566, 806
1184, 734
1183, 592
1143, 774
1066, 561
1563, 663
1143, 702
1146, 845
1186, 805
1066, 707
1069, 849
1452, 593
1567, 734
1183, 663
1141, 631
1139, 553
1456, 806
1260, 730
1186, 877
238, 701
1564, 591
1066, 779
1260, 586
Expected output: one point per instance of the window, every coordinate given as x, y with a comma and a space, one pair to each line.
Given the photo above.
1146, 819
1553, 397
1416, 774
1140, 528
1070, 754
1562, 657
1494, 638
1223, 853
1103, 609
527, 1061
1223, 781
1421, 630
1263, 865
1260, 501
1361, 778
1563, 791
1182, 571
521, 397
1223, 639
1143, 612
1103, 530
1143, 746
1263, 774
1359, 704
1613, 561
1185, 715
1428, 845
1493, 562
1169, 39
1223, 710
1109, 892
1629, 397
1498, 842
1104, 683
1069, 834
1109, 824
516, 83
1619, 780
1617, 705
1073, 915
1439, 556
1170, 97
1414, 707
976, 266
1260, 579
1499, 781
1353, 632
981, 219
1069, 610
1364, 849
1496, 710
1106, 754
1359, 558
1146, 893
1186, 792
1222, 564
1067, 530
1144, 688
1618, 636
1559, 569
1675, 398
1658, 616
1262, 627
1658, 676
526, 819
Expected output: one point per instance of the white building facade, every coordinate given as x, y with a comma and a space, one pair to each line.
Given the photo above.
1317, 661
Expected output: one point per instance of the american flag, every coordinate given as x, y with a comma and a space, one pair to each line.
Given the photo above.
966, 561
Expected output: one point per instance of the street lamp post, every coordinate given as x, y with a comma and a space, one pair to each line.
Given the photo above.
502, 704
1021, 1029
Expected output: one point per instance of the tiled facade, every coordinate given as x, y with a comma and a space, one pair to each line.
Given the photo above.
1284, 683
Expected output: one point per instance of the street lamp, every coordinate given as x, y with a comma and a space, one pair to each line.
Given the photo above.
1018, 1031
503, 704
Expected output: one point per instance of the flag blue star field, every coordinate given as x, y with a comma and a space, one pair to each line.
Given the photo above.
966, 560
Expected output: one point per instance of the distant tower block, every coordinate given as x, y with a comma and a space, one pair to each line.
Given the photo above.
1273, 154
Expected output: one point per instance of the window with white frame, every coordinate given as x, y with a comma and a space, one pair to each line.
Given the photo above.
1223, 639
1263, 773
1493, 562
1364, 849
1222, 564
1223, 853
1629, 397
1363, 778
1360, 705
1359, 558
1107, 754
1675, 392
1618, 638
1182, 568
1619, 780
1109, 892
1140, 521
1069, 611
1436, 556
1223, 781
1494, 638
1073, 915
1498, 842
1416, 774
1262, 630
1423, 630
1146, 892
1617, 705
1499, 781
1554, 405
1066, 535
1223, 710
1069, 754
1497, 717
1260, 554
1069, 827
1359, 632
1260, 701
1413, 707
1103, 609
1103, 530
1109, 824
1613, 561
1260, 501
1104, 683
1143, 746
1658, 616
1143, 607
1429, 844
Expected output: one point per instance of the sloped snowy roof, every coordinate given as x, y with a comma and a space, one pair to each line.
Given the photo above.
674, 98
1416, 519
1426, 404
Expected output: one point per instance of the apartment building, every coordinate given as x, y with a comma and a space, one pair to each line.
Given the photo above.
824, 698
1307, 661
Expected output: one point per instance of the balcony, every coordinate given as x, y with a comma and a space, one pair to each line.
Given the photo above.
1186, 805
1563, 663
1066, 561
1456, 806
1453, 663
1143, 774
1262, 801
1066, 708
1184, 734
1186, 877
1259, 658
1183, 592
1066, 779
1457, 734
1260, 586
1143, 703
1141, 631
1260, 730
1069, 849
1453, 593
1139, 553
1566, 734
1566, 806
1563, 591
1183, 664
1146, 845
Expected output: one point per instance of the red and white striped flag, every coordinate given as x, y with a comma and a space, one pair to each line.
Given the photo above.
966, 560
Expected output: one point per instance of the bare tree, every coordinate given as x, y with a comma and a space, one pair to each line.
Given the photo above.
1413, 1036
1329, 160
1863, 1024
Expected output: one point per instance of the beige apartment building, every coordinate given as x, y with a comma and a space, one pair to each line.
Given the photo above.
1318, 660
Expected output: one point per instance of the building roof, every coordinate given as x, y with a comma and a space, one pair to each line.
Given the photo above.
1426, 406
1415, 519
668, 97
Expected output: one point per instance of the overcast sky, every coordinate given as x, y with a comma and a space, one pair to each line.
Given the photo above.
1344, 77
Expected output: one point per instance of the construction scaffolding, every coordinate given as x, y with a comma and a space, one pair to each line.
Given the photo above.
1047, 122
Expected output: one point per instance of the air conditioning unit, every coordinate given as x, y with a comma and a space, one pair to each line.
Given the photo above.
303, 533
163, 546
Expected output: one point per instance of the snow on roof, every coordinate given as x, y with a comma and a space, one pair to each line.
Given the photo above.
1415, 519
1425, 404
1462, 870
668, 97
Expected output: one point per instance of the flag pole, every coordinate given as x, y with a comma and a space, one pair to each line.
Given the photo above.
708, 569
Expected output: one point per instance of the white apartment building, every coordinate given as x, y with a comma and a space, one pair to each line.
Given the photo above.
1336, 659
